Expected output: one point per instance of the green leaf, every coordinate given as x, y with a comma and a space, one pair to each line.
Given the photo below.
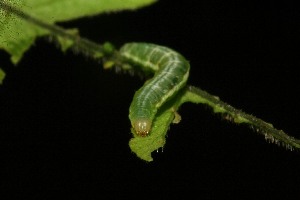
17, 35
144, 146
2, 76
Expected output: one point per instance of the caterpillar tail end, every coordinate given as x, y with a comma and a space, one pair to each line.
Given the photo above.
142, 127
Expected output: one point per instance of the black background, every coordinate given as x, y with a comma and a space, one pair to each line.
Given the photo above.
64, 120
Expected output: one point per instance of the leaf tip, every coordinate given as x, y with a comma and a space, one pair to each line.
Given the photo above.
2, 76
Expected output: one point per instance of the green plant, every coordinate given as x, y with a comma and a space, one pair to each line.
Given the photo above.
40, 22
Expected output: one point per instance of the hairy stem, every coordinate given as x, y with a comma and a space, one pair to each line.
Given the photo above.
237, 116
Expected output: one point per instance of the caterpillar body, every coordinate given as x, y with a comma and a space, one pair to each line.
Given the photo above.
171, 71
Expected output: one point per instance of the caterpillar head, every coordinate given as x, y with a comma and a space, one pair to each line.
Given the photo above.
142, 126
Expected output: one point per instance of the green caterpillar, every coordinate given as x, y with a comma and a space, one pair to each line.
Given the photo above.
171, 71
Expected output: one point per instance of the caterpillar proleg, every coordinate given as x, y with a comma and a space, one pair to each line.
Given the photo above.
171, 71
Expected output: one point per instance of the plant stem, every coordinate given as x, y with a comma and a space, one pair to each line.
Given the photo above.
83, 45
90, 48
237, 116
